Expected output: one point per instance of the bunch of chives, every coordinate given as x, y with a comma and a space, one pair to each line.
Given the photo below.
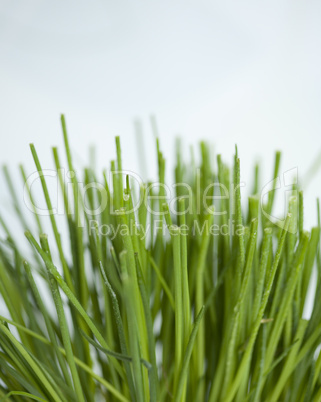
174, 304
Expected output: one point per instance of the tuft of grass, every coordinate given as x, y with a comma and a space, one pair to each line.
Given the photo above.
196, 295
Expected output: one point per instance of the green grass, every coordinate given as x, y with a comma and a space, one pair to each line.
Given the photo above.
187, 312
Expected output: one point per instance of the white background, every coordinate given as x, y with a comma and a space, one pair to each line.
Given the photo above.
245, 72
